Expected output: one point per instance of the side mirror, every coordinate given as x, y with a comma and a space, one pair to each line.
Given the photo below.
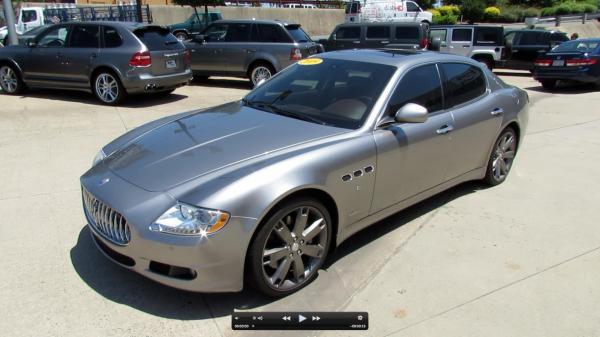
411, 113
436, 44
31, 43
334, 36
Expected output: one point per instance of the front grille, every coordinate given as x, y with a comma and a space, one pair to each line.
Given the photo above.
108, 222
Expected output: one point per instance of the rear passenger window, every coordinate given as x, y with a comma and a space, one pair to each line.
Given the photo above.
462, 83
407, 33
441, 33
156, 38
112, 38
85, 37
378, 32
489, 36
421, 86
272, 33
348, 33
462, 34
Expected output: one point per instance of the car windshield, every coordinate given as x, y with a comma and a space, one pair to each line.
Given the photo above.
577, 46
332, 92
298, 34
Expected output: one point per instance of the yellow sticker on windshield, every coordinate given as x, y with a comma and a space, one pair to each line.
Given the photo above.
310, 61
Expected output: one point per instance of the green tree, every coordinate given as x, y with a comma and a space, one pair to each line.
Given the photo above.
198, 3
425, 4
473, 10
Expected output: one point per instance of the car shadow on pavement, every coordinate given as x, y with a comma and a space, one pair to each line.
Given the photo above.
225, 83
512, 73
391, 223
126, 287
566, 88
133, 101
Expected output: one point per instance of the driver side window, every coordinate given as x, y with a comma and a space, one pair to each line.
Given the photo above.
55, 37
421, 86
215, 33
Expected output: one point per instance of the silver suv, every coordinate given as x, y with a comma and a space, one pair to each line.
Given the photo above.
482, 43
255, 49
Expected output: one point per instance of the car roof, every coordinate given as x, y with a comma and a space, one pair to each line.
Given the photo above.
388, 23
284, 23
393, 57
537, 31
466, 26
124, 24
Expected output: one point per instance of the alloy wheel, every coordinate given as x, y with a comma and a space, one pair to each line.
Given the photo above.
295, 248
503, 156
107, 88
260, 73
8, 80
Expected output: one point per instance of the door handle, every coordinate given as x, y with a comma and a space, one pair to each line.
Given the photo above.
250, 51
384, 41
444, 129
497, 112
466, 45
356, 42
218, 51
59, 55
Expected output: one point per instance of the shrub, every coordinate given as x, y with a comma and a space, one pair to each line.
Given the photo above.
445, 19
577, 8
473, 10
563, 9
549, 11
589, 8
531, 12
491, 13
449, 10
434, 12
508, 17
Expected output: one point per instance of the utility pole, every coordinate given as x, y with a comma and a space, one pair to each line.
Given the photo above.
9, 13
138, 10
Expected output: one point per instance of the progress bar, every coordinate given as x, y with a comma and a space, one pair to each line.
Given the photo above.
300, 320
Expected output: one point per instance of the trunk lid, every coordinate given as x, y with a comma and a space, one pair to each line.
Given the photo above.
167, 53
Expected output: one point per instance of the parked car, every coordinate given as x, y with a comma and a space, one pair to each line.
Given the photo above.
110, 59
377, 35
265, 187
481, 43
386, 10
193, 25
576, 61
256, 49
524, 46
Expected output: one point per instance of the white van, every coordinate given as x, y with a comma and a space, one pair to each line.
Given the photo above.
386, 10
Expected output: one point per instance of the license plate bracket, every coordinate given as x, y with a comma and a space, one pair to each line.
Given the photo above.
170, 64
558, 63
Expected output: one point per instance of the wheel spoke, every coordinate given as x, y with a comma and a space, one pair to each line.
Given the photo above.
313, 250
298, 268
301, 219
496, 167
274, 255
283, 232
503, 167
507, 142
314, 229
281, 272
509, 154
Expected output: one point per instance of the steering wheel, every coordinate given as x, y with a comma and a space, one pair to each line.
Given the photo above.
55, 43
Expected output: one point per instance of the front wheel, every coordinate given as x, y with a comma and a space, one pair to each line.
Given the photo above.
108, 89
10, 80
502, 157
181, 36
290, 248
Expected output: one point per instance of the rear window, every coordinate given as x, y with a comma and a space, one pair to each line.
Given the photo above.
407, 33
158, 39
577, 46
488, 36
298, 34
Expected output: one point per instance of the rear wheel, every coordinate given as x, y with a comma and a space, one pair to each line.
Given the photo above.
181, 36
488, 61
259, 72
290, 248
10, 80
502, 157
548, 84
108, 89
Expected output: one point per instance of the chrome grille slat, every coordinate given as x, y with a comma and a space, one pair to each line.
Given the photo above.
107, 221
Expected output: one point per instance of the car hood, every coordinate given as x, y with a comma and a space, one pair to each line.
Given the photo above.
206, 141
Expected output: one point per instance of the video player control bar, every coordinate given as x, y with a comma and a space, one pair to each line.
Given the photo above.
300, 321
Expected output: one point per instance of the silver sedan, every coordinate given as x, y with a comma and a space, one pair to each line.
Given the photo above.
263, 189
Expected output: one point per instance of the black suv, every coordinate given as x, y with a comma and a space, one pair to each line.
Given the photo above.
377, 35
524, 46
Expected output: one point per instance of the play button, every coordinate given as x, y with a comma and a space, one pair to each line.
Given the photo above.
301, 318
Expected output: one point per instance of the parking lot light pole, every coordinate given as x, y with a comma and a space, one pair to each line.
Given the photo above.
9, 13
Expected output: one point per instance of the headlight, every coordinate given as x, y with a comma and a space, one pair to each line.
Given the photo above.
184, 219
98, 158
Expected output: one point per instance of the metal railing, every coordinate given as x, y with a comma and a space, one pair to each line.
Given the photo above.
558, 19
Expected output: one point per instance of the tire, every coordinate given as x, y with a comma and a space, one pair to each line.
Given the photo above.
289, 247
10, 80
260, 71
108, 88
200, 78
489, 63
548, 84
181, 36
502, 157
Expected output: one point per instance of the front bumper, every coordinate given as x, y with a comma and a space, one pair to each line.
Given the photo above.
201, 264
136, 83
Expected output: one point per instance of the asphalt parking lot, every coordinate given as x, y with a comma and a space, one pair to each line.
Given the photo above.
520, 259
